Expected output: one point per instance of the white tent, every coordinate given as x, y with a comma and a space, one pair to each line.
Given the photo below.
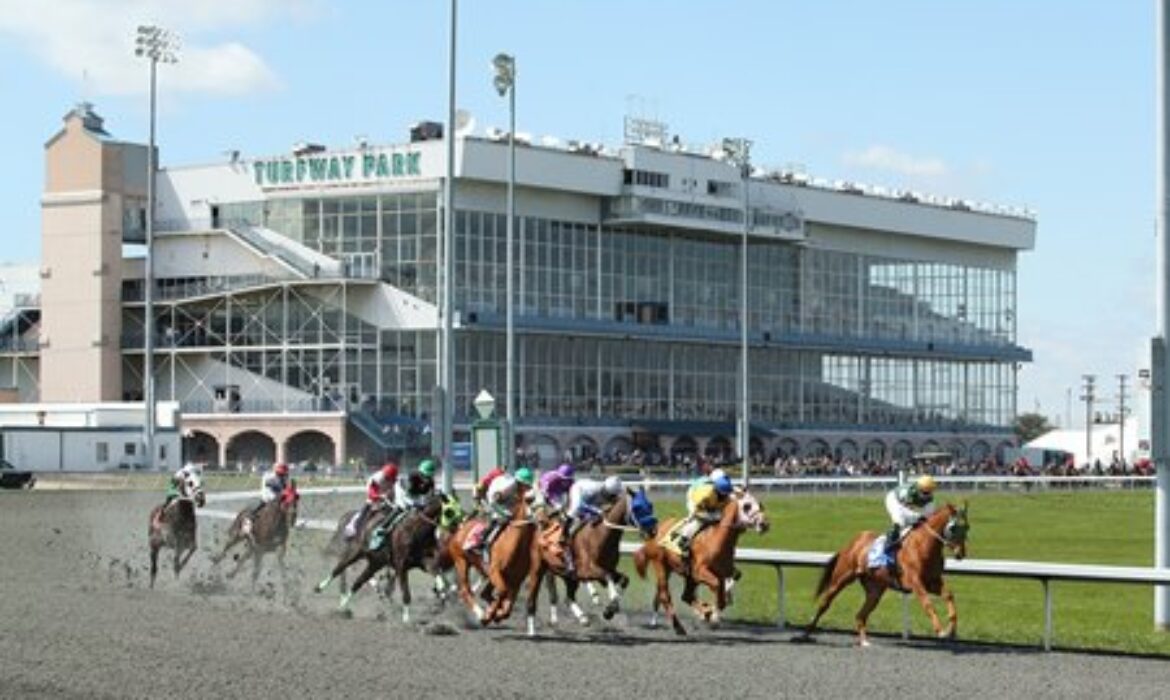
1105, 446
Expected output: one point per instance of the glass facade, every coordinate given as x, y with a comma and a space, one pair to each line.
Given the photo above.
615, 324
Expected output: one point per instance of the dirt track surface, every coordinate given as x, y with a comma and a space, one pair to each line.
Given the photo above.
78, 621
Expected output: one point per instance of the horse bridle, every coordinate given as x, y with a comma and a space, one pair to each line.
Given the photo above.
941, 537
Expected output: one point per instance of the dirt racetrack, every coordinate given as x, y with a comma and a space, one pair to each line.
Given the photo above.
78, 621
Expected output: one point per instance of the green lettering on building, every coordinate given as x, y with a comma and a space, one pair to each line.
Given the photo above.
338, 168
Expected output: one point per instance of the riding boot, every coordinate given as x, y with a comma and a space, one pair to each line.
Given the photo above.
892, 539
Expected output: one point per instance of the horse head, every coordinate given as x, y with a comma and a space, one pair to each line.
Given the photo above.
749, 512
640, 513
451, 513
191, 488
954, 533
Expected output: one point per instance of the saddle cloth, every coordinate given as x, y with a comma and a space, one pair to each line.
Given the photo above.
669, 539
475, 535
877, 557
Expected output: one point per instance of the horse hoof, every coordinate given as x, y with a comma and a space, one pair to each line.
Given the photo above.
863, 644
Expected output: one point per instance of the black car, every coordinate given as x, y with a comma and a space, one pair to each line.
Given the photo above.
13, 478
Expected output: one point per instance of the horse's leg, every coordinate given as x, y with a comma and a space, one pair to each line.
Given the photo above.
154, 547
928, 606
662, 573
187, 557
842, 576
373, 566
346, 561
594, 596
615, 594
716, 583
400, 572
551, 584
572, 585
952, 612
462, 579
873, 594
534, 579
257, 555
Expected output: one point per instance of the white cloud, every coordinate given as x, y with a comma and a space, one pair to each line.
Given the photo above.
879, 157
94, 40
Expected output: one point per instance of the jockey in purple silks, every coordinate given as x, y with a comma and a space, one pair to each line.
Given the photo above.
555, 485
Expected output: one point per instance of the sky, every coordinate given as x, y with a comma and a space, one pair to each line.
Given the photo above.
1047, 104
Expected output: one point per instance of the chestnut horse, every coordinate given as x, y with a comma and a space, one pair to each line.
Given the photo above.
919, 559
712, 560
268, 532
509, 563
595, 549
174, 526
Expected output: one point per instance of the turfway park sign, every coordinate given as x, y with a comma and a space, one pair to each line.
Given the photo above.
326, 169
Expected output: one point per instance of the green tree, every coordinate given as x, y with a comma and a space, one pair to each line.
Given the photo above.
1029, 426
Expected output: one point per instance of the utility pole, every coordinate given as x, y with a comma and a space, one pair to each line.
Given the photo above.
1089, 397
1121, 410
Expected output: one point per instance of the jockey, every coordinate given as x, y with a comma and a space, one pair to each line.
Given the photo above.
907, 505
587, 498
502, 495
178, 484
379, 490
705, 499
272, 484
555, 485
479, 493
417, 488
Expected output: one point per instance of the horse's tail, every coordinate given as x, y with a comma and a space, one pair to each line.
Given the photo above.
827, 575
640, 561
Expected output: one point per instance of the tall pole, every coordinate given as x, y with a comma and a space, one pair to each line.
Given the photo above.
739, 152
155, 44
1160, 396
1089, 397
505, 81
447, 306
148, 274
1121, 409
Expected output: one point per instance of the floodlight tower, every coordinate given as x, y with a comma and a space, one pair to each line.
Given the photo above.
157, 45
505, 84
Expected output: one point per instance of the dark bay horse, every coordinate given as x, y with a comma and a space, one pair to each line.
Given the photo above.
712, 560
174, 525
412, 544
595, 550
341, 546
509, 563
268, 532
920, 561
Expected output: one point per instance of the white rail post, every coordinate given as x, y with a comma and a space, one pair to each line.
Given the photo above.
905, 616
781, 622
1047, 615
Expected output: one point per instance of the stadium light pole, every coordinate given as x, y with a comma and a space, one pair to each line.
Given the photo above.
1160, 369
505, 83
446, 369
738, 152
157, 45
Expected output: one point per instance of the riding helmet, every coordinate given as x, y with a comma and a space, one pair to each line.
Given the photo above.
427, 467
566, 471
524, 476
925, 483
612, 486
390, 471
722, 484
281, 469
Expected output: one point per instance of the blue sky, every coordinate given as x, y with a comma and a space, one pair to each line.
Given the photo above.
1047, 104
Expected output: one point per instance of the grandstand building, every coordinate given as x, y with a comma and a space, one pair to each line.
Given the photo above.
296, 300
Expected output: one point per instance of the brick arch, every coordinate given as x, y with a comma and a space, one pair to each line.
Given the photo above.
250, 446
310, 445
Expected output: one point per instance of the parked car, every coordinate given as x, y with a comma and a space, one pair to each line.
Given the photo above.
13, 478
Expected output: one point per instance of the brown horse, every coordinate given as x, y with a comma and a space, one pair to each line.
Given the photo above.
411, 544
919, 559
712, 560
173, 525
341, 546
509, 563
595, 550
265, 532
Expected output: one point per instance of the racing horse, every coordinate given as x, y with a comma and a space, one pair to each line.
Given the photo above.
711, 562
341, 545
265, 532
411, 544
920, 561
174, 526
595, 550
509, 563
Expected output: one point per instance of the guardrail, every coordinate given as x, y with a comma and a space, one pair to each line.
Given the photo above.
1043, 572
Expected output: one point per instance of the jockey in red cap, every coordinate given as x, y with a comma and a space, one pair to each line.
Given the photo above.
379, 493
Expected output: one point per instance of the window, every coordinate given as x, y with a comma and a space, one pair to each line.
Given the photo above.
103, 452
130, 449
